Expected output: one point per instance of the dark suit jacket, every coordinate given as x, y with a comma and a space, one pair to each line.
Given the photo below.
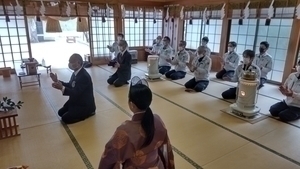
80, 92
124, 71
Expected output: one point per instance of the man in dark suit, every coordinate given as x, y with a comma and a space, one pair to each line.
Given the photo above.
81, 103
123, 64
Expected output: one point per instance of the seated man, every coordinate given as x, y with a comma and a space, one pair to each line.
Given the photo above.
201, 66
156, 46
114, 47
231, 60
289, 109
264, 61
81, 103
180, 61
164, 54
248, 56
123, 64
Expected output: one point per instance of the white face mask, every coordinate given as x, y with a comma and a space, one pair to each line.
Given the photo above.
230, 49
180, 48
298, 69
246, 60
119, 38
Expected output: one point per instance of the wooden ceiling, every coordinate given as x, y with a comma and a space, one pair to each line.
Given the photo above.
155, 3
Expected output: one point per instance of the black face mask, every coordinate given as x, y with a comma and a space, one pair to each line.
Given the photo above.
261, 50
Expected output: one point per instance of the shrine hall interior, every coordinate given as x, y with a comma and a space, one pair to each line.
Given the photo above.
201, 134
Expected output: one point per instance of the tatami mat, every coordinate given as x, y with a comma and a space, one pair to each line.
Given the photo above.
202, 136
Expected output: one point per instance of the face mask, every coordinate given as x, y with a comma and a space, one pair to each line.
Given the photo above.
298, 69
203, 43
164, 43
180, 48
230, 49
121, 48
246, 60
261, 50
119, 38
158, 41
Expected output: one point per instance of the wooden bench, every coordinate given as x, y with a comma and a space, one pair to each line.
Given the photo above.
8, 124
5, 71
71, 39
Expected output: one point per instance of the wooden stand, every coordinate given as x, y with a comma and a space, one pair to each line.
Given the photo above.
5, 71
8, 124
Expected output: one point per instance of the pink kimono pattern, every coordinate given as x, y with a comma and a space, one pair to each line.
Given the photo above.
123, 150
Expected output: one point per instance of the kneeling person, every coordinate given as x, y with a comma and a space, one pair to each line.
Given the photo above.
81, 103
180, 61
231, 62
289, 109
248, 56
200, 66
123, 65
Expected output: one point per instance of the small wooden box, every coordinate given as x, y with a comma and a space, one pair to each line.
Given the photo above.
31, 68
8, 124
6, 71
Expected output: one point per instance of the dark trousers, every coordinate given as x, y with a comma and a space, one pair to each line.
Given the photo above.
198, 86
175, 75
230, 93
72, 114
262, 82
163, 69
224, 73
284, 112
116, 81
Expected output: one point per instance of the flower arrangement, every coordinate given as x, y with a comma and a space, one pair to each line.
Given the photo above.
7, 104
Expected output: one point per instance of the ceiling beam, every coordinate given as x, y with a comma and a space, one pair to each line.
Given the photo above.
158, 3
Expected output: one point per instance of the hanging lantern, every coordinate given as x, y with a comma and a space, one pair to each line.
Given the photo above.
53, 26
167, 15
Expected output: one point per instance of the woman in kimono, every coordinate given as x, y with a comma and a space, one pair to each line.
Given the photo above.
142, 142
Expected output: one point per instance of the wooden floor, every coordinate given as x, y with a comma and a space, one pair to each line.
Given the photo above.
202, 136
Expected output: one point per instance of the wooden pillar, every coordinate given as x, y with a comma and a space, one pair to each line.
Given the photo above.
118, 20
225, 32
27, 30
292, 51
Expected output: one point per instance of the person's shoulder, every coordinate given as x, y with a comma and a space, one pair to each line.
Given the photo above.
269, 56
294, 74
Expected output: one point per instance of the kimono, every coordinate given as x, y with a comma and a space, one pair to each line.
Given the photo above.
123, 150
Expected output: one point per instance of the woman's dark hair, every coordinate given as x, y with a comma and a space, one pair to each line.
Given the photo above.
121, 35
141, 96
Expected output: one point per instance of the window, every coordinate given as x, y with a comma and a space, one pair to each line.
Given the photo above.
134, 28
152, 30
277, 34
213, 32
243, 35
103, 33
13, 40
192, 33
195, 30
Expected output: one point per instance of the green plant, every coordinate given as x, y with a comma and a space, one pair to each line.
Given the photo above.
7, 104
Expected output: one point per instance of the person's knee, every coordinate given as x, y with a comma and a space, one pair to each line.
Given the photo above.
225, 95
61, 112
109, 81
168, 75
200, 88
218, 75
118, 84
273, 110
174, 76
